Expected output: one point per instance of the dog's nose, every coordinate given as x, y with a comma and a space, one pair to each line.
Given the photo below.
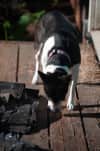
55, 110
53, 107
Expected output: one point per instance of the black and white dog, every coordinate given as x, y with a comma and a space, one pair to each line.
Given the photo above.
59, 52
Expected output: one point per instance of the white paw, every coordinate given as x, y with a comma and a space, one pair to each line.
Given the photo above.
70, 106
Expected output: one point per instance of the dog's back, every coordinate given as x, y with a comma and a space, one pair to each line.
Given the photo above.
54, 22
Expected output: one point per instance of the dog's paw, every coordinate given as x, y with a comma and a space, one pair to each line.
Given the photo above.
70, 106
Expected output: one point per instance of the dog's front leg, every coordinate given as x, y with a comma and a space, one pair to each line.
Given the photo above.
37, 56
75, 71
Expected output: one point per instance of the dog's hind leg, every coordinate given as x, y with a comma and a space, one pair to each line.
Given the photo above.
75, 71
37, 58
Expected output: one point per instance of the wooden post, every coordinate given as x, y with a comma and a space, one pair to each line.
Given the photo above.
76, 7
94, 15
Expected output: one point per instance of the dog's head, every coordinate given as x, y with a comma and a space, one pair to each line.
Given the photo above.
55, 87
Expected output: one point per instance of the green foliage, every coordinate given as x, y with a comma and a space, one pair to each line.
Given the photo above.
14, 27
25, 19
19, 33
6, 26
28, 18
37, 15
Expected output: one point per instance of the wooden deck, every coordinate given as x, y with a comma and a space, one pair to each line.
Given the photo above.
66, 131
95, 37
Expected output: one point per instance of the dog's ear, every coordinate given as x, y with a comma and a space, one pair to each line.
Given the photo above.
45, 78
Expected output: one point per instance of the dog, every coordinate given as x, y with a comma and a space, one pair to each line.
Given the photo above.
59, 53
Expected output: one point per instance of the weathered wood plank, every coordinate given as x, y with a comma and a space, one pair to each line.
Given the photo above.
26, 67
66, 132
72, 131
90, 105
91, 15
97, 15
8, 60
96, 42
26, 63
94, 15
56, 133
8, 73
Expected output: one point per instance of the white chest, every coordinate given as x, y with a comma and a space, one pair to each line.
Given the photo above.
49, 44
